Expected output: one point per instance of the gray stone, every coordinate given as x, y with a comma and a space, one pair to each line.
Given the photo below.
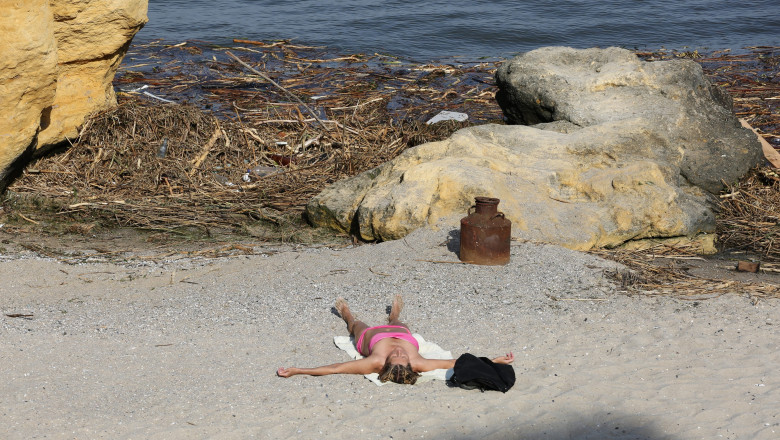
685, 115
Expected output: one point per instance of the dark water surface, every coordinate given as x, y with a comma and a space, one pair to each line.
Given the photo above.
437, 28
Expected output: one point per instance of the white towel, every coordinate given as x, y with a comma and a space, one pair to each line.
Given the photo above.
428, 350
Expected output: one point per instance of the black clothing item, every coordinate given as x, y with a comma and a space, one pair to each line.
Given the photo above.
472, 372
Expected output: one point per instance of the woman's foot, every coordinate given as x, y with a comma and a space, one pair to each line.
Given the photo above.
345, 313
395, 310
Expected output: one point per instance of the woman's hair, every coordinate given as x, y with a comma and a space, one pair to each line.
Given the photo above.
398, 373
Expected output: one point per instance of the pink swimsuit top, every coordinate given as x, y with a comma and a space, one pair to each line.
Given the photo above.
406, 336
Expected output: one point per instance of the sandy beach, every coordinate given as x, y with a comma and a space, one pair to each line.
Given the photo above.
189, 349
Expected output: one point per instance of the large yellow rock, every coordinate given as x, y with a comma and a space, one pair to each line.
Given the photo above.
28, 75
552, 186
92, 38
57, 61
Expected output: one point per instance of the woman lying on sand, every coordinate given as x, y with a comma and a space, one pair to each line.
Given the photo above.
389, 350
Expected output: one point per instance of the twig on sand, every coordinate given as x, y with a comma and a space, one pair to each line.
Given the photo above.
555, 298
442, 261
27, 316
379, 273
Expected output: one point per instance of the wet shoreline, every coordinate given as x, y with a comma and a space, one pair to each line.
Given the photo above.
199, 72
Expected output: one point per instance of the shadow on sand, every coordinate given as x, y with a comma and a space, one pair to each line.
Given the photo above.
453, 241
607, 426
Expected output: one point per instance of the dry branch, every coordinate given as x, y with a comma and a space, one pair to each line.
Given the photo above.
206, 149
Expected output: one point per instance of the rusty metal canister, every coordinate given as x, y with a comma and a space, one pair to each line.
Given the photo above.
485, 234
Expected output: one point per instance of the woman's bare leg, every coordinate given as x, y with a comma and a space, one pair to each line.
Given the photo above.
395, 312
354, 326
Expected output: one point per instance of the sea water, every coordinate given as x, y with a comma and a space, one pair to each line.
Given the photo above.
477, 28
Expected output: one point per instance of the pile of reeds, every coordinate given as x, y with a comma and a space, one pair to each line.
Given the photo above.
750, 215
664, 270
265, 147
171, 166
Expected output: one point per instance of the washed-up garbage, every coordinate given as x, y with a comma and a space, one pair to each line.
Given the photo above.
144, 92
259, 172
163, 149
448, 116
223, 180
748, 266
282, 160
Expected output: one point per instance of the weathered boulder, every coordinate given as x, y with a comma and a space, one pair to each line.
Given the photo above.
621, 150
673, 99
92, 38
59, 58
28, 76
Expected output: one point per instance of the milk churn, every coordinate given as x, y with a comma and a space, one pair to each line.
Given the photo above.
485, 234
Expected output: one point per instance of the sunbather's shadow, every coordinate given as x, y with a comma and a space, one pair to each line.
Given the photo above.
589, 427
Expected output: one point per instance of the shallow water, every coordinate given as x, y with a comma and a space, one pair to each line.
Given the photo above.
436, 28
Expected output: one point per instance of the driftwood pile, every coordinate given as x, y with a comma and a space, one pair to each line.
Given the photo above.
245, 146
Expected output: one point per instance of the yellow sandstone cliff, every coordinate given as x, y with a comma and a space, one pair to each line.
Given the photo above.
57, 61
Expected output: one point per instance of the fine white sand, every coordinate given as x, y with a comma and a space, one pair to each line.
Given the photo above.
189, 349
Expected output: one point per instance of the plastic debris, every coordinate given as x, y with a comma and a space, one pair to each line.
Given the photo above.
146, 86
223, 180
748, 266
448, 116
261, 171
163, 149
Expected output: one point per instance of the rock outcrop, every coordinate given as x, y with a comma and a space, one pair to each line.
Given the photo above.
672, 99
618, 150
57, 61
28, 77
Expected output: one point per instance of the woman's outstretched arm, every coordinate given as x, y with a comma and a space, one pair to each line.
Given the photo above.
424, 365
360, 366
435, 364
507, 359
